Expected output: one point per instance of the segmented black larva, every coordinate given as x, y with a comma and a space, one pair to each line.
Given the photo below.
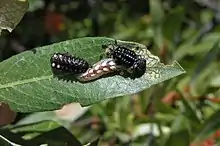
139, 67
132, 62
99, 69
68, 63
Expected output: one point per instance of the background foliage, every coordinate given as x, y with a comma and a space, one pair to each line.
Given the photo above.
182, 111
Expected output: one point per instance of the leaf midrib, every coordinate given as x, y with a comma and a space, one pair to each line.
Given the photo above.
26, 81
35, 79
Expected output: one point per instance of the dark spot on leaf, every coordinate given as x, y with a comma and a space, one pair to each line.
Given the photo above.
137, 48
34, 51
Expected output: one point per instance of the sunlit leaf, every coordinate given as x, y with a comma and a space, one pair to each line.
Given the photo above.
209, 127
27, 82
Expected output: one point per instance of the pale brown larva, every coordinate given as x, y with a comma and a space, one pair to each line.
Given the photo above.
99, 69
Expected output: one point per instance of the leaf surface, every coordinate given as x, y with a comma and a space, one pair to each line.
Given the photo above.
28, 84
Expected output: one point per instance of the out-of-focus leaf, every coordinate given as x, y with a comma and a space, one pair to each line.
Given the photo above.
35, 5
151, 128
179, 133
165, 109
203, 79
180, 138
215, 81
40, 117
94, 143
124, 137
165, 118
210, 126
8, 138
51, 115
11, 12
156, 11
204, 46
32, 130
57, 137
180, 123
190, 112
27, 82
157, 16
210, 56
213, 4
217, 93
175, 17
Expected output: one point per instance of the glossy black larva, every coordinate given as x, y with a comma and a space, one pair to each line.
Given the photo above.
139, 67
68, 63
127, 58
124, 56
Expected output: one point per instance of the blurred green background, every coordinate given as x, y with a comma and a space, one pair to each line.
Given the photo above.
180, 112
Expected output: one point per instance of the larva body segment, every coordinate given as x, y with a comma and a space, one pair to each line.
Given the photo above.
68, 63
99, 69
124, 56
128, 59
139, 67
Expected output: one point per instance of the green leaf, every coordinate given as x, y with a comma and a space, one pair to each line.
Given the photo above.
156, 11
37, 127
52, 115
57, 137
189, 110
34, 129
46, 132
157, 15
215, 81
180, 138
94, 143
7, 138
27, 82
207, 44
11, 13
209, 127
179, 133
165, 109
175, 16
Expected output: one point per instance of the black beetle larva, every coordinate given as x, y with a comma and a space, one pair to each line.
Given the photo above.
127, 58
68, 63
